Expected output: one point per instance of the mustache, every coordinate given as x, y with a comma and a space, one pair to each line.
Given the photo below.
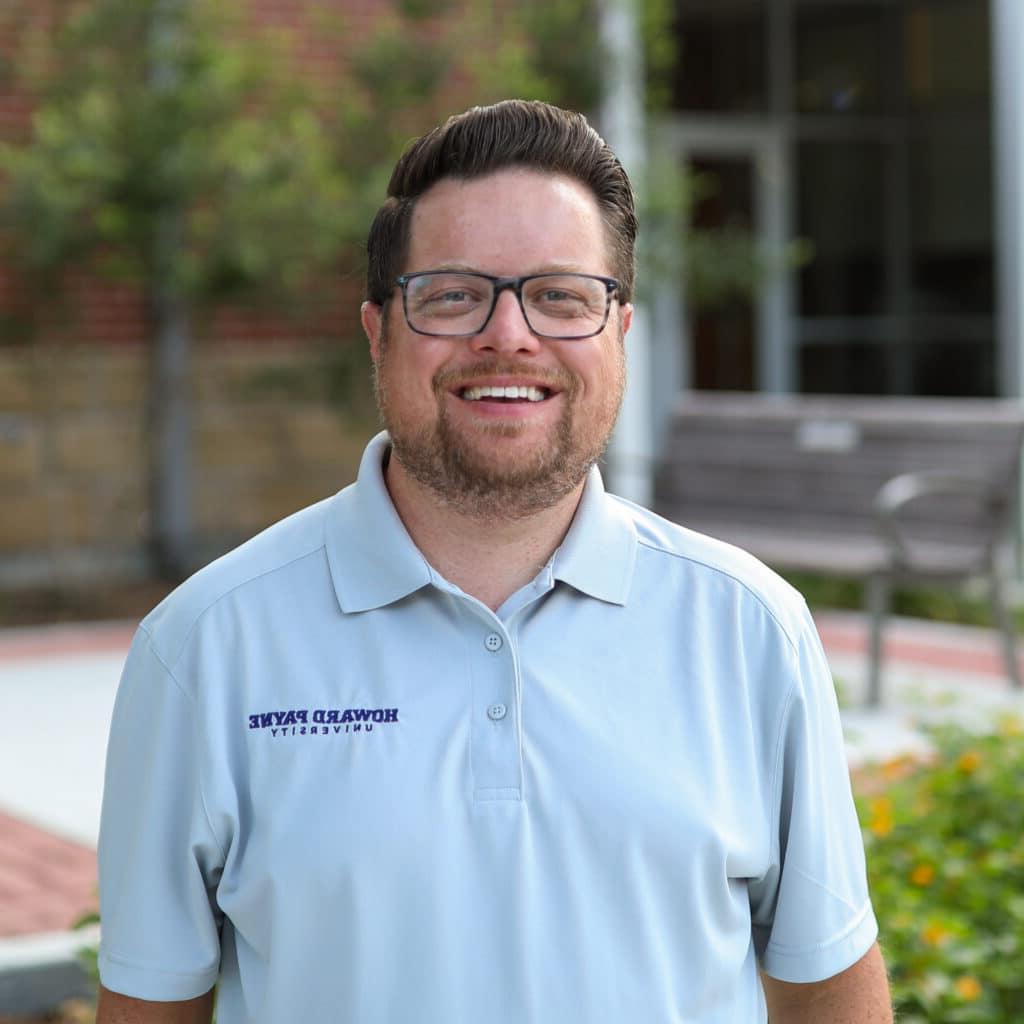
554, 379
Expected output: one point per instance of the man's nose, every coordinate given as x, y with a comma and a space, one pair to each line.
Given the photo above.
507, 329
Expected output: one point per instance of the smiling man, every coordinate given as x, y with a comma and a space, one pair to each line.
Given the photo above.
473, 740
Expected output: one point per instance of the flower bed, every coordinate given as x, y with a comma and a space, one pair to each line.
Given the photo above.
945, 847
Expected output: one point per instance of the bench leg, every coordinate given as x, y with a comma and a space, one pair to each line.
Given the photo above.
878, 608
1004, 621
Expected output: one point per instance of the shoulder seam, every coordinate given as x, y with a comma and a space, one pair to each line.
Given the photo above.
320, 546
791, 640
163, 664
192, 707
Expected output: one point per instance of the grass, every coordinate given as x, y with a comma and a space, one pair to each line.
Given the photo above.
941, 604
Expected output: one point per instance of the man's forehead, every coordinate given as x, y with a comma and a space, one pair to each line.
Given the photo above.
517, 207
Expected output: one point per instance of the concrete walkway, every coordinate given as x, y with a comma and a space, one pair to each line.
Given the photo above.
57, 687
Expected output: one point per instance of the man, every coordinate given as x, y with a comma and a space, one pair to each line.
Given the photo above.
474, 741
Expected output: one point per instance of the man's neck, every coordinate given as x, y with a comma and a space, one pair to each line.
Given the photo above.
488, 558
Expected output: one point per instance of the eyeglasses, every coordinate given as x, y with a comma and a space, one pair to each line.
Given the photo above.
458, 304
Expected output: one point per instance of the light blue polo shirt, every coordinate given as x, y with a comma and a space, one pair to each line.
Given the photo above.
352, 793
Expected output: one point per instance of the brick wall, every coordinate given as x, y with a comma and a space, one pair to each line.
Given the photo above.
73, 462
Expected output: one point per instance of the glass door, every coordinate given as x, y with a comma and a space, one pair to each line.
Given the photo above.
723, 328
739, 340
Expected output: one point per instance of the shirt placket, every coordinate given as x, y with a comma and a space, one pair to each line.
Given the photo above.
496, 755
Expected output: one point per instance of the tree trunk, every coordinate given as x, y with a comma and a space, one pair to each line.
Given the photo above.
170, 415
169, 397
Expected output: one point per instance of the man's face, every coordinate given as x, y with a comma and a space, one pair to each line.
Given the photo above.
487, 455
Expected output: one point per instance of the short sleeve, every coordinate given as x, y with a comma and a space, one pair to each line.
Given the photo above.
812, 913
159, 861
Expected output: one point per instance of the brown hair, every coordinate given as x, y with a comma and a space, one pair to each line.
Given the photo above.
513, 133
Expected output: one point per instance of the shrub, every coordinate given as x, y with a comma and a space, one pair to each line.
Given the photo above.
945, 847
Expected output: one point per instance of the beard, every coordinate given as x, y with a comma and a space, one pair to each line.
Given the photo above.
467, 470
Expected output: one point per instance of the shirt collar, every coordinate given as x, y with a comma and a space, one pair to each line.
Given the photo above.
374, 561
598, 554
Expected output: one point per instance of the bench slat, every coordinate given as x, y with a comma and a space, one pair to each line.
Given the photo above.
782, 469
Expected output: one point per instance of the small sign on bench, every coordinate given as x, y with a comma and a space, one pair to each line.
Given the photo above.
827, 436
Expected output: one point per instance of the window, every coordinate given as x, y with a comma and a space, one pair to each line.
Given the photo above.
722, 60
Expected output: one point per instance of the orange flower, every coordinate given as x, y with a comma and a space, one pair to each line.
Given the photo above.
969, 762
881, 827
934, 934
967, 987
896, 767
922, 875
881, 823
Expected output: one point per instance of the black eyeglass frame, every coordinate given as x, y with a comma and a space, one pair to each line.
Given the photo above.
500, 284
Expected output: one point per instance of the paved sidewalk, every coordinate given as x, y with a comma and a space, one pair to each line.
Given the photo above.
932, 672
57, 687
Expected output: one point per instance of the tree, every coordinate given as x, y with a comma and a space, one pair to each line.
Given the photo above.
169, 146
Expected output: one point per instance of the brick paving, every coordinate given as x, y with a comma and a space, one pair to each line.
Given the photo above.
53, 641
46, 883
922, 644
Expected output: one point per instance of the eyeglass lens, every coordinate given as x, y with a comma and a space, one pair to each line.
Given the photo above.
556, 305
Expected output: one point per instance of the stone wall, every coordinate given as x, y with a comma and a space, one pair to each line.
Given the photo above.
268, 440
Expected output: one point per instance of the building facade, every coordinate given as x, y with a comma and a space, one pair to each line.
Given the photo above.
876, 133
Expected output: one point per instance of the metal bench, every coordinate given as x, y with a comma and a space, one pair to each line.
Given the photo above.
887, 490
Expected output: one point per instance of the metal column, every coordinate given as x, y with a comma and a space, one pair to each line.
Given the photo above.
1008, 95
631, 455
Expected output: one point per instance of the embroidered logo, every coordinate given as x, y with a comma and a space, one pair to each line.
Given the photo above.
322, 721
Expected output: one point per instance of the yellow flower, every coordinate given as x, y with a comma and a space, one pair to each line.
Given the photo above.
1011, 725
922, 875
881, 823
934, 934
880, 826
967, 987
969, 762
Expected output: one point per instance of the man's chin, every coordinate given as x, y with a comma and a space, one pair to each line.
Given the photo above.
480, 471
490, 484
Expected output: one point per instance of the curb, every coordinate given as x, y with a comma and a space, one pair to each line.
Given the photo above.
39, 972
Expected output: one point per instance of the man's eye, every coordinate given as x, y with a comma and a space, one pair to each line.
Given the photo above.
559, 299
450, 297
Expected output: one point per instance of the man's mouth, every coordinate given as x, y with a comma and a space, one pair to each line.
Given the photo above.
504, 393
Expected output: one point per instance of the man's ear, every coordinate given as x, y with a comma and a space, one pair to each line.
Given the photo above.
626, 317
372, 317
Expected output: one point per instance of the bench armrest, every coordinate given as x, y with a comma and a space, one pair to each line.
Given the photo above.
897, 493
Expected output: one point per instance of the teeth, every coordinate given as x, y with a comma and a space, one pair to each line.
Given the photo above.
531, 394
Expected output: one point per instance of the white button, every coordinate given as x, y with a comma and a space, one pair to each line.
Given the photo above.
493, 642
496, 712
